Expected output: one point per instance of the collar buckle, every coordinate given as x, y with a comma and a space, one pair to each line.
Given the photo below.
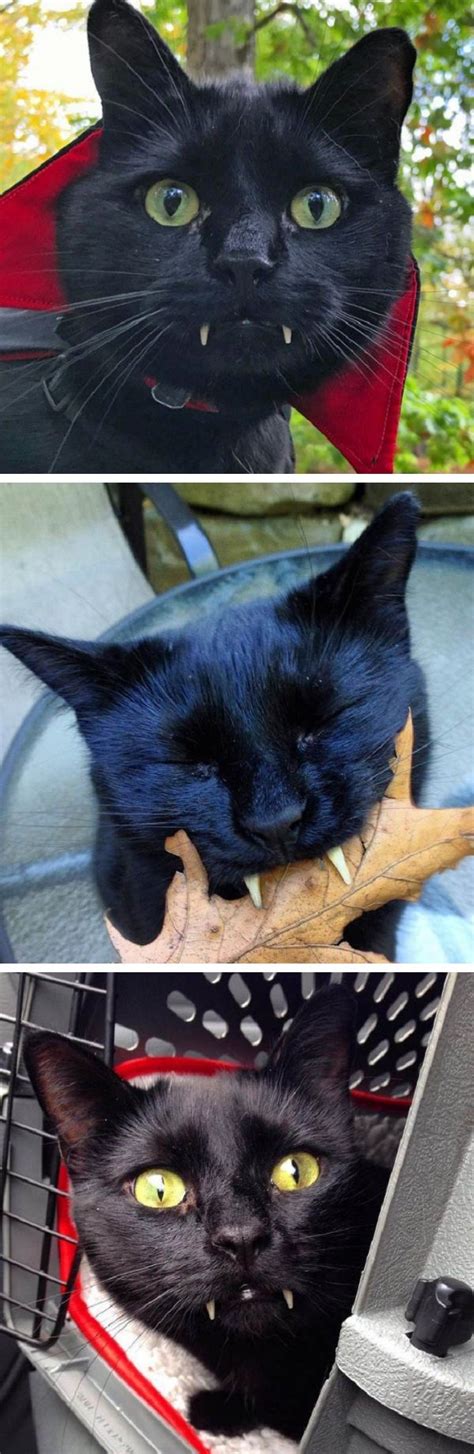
170, 397
59, 396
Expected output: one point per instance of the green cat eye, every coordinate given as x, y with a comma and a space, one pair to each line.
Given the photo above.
316, 207
172, 204
296, 1172
159, 1189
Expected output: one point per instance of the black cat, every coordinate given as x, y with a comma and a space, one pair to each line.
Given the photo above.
265, 731
232, 1214
234, 246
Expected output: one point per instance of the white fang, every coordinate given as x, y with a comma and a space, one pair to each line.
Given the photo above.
336, 857
253, 884
204, 333
288, 1296
211, 1309
287, 333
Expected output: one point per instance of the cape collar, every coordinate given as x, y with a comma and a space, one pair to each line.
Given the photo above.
358, 410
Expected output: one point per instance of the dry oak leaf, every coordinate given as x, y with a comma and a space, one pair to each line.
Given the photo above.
306, 906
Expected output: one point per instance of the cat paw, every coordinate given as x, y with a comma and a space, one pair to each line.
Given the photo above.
219, 1413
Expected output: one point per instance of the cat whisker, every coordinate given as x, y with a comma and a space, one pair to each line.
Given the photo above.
337, 339
365, 352
79, 272
246, 468
153, 124
389, 333
161, 104
162, 61
81, 351
122, 328
365, 170
136, 356
358, 80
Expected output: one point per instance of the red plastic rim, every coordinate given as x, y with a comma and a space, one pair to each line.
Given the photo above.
96, 1335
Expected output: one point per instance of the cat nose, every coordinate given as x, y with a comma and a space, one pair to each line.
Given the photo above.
244, 270
241, 1241
277, 828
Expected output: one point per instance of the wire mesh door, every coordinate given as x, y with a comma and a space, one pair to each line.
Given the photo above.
34, 1303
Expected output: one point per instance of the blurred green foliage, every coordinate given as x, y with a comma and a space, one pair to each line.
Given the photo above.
435, 434
435, 431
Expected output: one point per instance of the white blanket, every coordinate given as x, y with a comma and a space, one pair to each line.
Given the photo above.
172, 1370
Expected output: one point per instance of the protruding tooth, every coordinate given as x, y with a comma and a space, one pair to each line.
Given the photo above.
287, 333
336, 856
211, 1309
253, 884
288, 1296
204, 333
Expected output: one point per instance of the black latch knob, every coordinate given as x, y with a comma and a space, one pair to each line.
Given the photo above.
443, 1314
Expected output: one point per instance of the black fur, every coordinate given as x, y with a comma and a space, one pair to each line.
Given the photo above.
265, 731
246, 149
224, 1136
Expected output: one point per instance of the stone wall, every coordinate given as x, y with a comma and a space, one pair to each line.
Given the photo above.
248, 519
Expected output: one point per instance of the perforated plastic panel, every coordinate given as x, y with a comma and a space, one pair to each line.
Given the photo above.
238, 1016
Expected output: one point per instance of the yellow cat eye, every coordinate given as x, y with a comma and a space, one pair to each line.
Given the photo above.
295, 1172
316, 207
159, 1189
172, 204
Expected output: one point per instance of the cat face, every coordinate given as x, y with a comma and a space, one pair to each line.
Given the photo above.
254, 235
209, 1199
267, 731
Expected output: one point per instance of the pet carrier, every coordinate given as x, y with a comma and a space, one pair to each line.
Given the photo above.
51, 910
205, 1022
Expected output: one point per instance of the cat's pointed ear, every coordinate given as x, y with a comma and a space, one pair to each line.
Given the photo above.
80, 1096
79, 671
136, 74
315, 1053
372, 576
88, 675
361, 100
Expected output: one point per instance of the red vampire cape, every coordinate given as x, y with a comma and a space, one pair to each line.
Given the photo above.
358, 410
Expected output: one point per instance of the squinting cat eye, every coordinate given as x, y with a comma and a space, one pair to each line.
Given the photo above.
295, 1172
316, 207
172, 204
159, 1189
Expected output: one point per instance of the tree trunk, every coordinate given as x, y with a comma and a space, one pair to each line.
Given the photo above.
232, 49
